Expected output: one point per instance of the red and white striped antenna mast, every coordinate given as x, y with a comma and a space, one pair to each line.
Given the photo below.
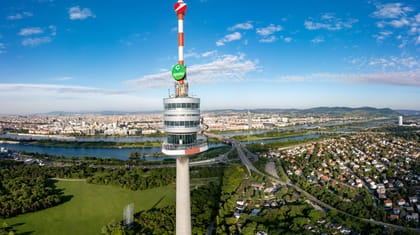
180, 8
181, 88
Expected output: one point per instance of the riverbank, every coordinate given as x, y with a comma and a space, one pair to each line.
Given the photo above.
8, 142
84, 144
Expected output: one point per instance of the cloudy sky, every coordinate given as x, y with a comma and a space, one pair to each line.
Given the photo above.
117, 55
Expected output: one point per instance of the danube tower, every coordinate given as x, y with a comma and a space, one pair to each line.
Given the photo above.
182, 123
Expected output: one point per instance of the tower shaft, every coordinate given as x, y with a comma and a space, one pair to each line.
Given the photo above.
183, 208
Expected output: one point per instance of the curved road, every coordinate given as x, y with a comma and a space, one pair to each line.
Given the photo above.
248, 164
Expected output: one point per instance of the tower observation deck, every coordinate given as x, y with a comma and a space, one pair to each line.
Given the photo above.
182, 124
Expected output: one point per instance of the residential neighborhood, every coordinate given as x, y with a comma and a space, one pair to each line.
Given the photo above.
386, 167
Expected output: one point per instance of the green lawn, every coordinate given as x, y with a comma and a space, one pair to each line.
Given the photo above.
90, 208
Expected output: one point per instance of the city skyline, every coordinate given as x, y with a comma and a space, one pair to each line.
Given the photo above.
88, 56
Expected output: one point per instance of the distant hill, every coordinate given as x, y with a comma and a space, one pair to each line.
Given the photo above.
406, 112
362, 111
321, 111
316, 111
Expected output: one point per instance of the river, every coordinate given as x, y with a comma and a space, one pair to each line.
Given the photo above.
117, 139
119, 153
123, 153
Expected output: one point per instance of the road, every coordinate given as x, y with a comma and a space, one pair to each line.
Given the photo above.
251, 168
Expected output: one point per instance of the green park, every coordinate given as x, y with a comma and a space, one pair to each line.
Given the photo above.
89, 208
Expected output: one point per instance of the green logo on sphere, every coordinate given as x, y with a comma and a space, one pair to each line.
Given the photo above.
179, 72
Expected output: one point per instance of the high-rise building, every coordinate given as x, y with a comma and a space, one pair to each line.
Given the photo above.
182, 124
249, 120
400, 120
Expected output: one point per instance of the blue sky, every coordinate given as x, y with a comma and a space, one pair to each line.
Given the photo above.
117, 55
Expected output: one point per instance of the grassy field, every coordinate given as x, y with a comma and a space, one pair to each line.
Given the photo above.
89, 209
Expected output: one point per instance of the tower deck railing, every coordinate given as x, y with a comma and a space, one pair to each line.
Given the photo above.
198, 144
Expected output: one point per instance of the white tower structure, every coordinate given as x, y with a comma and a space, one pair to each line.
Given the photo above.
182, 124
400, 120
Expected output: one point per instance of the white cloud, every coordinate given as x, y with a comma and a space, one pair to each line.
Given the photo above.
40, 39
396, 23
35, 41
380, 24
75, 13
391, 63
391, 10
244, 26
208, 53
222, 69
407, 78
266, 31
193, 54
50, 97
399, 17
382, 35
329, 22
268, 39
287, 39
317, 40
402, 40
53, 30
63, 78
51, 88
327, 16
228, 38
399, 23
2, 48
30, 31
19, 16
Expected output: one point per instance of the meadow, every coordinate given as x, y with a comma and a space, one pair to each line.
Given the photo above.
89, 208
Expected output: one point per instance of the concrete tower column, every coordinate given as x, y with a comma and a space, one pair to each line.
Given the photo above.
183, 208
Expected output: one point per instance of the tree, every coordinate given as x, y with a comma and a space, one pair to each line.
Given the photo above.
114, 228
134, 155
249, 228
298, 223
315, 215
